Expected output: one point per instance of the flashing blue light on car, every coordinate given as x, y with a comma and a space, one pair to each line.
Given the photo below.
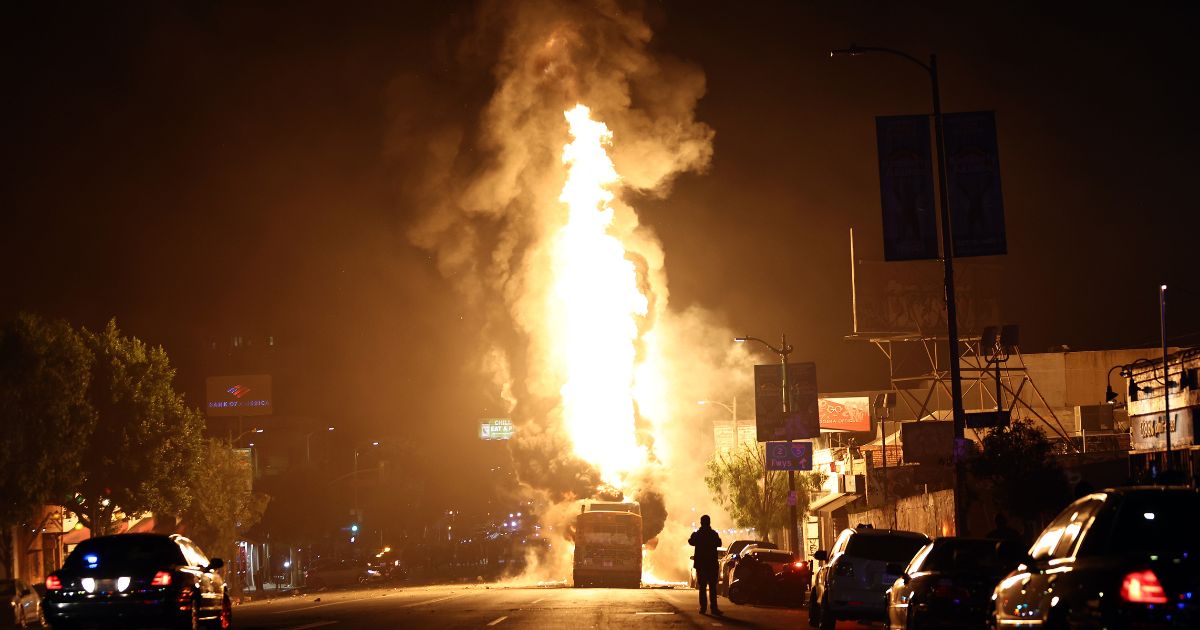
92, 560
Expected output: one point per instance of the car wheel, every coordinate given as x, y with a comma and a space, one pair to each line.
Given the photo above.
828, 621
814, 610
911, 620
224, 618
193, 619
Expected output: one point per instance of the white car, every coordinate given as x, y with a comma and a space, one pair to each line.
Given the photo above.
854, 578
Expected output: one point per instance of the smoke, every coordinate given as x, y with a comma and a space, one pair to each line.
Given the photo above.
488, 188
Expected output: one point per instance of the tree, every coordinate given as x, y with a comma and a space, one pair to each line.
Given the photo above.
1026, 480
145, 452
45, 369
224, 503
736, 479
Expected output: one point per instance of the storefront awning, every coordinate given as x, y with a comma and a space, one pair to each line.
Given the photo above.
833, 502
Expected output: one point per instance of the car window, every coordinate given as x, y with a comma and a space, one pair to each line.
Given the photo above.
962, 555
123, 552
1059, 538
773, 556
201, 559
840, 545
885, 548
1158, 522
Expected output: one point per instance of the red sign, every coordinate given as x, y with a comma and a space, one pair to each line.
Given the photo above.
845, 414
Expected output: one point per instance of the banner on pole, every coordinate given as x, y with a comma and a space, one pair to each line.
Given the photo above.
906, 188
973, 184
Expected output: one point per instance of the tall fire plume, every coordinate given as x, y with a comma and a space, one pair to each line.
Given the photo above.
529, 213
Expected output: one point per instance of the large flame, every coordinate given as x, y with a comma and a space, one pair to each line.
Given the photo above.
596, 304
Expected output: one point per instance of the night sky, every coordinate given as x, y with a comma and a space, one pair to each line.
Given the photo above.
201, 170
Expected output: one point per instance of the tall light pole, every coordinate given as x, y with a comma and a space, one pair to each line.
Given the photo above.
960, 520
1162, 319
783, 351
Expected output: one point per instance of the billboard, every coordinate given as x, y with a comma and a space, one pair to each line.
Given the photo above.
928, 441
728, 435
845, 414
910, 229
973, 183
908, 297
802, 420
235, 396
496, 429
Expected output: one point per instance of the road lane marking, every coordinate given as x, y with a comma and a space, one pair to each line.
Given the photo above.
316, 624
359, 599
432, 601
498, 620
654, 613
536, 601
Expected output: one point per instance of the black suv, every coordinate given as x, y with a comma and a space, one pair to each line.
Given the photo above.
137, 579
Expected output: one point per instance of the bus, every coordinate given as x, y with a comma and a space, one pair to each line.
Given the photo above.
608, 545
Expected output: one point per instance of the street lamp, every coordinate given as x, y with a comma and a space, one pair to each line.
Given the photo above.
960, 520
783, 351
308, 445
244, 434
732, 409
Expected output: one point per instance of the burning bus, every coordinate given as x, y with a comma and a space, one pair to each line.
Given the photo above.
608, 545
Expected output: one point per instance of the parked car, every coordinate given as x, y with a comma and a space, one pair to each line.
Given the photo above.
770, 576
949, 583
725, 564
1121, 558
692, 582
340, 573
19, 604
132, 580
854, 578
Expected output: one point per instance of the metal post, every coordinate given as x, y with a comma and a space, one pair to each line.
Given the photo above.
1162, 315
793, 533
948, 269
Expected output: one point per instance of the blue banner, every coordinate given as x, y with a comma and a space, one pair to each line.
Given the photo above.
973, 183
906, 188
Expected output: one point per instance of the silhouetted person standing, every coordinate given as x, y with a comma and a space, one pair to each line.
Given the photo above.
706, 540
1004, 533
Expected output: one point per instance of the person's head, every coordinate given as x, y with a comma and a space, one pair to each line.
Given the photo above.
1000, 520
705, 521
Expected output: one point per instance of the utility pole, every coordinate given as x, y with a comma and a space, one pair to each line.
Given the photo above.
960, 512
783, 351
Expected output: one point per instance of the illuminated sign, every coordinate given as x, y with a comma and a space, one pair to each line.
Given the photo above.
845, 414
495, 429
247, 395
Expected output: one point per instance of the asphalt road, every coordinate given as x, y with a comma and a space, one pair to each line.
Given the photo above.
486, 607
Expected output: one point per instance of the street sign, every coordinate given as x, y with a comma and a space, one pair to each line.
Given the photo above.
803, 418
496, 429
789, 455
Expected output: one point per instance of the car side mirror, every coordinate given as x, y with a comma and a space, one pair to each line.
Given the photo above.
215, 563
820, 555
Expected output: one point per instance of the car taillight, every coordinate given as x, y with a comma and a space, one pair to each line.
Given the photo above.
162, 578
53, 583
1143, 587
800, 565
